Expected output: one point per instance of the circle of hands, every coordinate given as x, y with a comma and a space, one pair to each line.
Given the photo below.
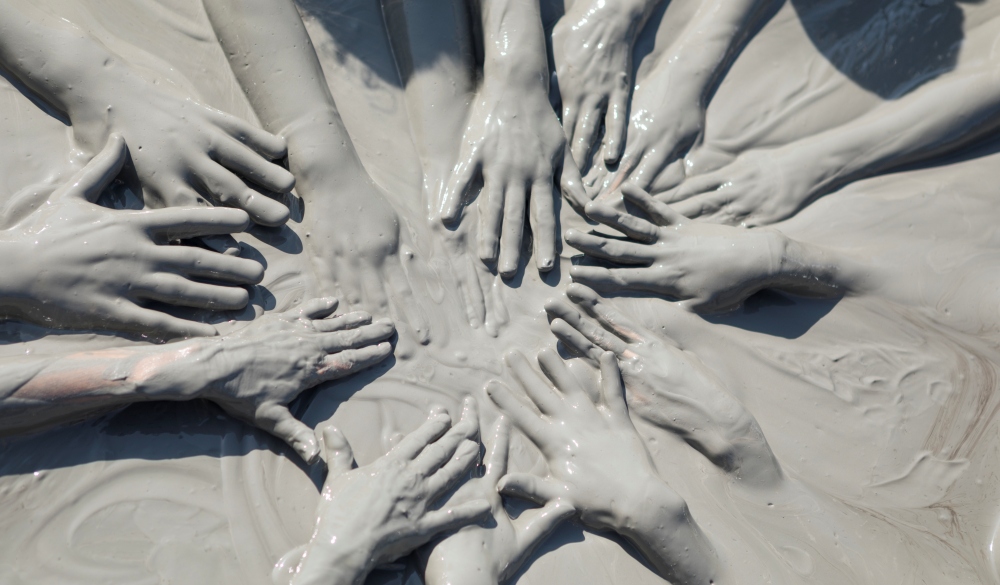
619, 153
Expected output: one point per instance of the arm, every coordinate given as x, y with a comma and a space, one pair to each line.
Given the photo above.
668, 107
253, 373
184, 153
766, 186
274, 61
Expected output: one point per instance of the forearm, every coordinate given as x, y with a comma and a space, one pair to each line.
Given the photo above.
514, 44
906, 130
802, 268
47, 391
714, 36
64, 65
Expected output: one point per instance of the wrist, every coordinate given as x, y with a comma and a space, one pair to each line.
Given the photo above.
653, 504
336, 560
178, 371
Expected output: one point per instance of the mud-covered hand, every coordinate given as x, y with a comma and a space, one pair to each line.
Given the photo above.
379, 512
592, 45
514, 144
667, 118
75, 264
599, 465
759, 188
709, 267
257, 371
489, 554
666, 385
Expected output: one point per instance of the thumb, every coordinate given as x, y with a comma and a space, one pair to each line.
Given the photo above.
90, 181
278, 420
531, 528
337, 451
530, 487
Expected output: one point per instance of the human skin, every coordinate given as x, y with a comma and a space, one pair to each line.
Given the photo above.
761, 187
184, 153
668, 108
76, 265
598, 464
592, 46
667, 386
709, 267
377, 513
252, 373
350, 228
513, 143
481, 554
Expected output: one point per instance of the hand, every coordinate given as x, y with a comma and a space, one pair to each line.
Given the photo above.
491, 554
592, 46
515, 144
599, 465
382, 511
711, 267
350, 226
665, 385
257, 371
75, 264
186, 153
597, 461
759, 188
667, 119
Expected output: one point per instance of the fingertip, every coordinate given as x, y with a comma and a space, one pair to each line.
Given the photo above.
577, 292
269, 212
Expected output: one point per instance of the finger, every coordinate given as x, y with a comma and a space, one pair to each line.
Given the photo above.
520, 414
453, 518
252, 167
702, 205
411, 445
696, 186
496, 460
181, 223
351, 320
337, 452
397, 280
457, 189
570, 117
317, 308
262, 141
277, 420
659, 212
197, 262
556, 371
630, 225
513, 230
450, 470
526, 486
575, 341
177, 290
611, 318
490, 220
360, 337
615, 279
543, 395
612, 390
609, 249
345, 363
224, 244
435, 455
571, 184
585, 132
615, 124
229, 190
89, 182
596, 335
543, 225
163, 325
533, 526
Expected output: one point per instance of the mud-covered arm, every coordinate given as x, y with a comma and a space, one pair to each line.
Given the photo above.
253, 373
